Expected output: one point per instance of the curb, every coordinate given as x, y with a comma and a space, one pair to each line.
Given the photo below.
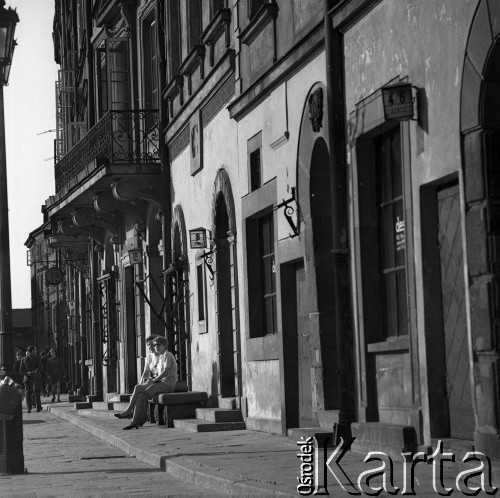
183, 469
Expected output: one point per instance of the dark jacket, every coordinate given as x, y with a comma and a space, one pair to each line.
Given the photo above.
30, 367
54, 369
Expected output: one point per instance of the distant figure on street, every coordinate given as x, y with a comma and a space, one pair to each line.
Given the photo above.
45, 381
162, 378
30, 368
55, 374
17, 363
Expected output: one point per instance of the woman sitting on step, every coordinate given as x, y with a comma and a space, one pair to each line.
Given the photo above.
162, 379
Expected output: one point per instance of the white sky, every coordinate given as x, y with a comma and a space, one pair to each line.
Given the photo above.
29, 110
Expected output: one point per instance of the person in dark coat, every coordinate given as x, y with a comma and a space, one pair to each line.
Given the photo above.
55, 374
30, 367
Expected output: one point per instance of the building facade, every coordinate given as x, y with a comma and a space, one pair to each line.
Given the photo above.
422, 216
300, 195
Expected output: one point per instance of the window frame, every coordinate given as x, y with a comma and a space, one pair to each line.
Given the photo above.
366, 238
254, 146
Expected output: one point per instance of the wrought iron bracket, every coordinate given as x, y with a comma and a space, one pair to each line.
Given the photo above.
288, 212
208, 257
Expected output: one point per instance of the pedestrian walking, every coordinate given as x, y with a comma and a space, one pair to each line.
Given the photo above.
17, 363
30, 367
162, 378
55, 374
45, 381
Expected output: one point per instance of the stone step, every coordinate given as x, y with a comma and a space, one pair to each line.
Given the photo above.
119, 398
218, 415
304, 432
459, 447
74, 398
82, 405
229, 403
102, 405
120, 407
97, 413
195, 425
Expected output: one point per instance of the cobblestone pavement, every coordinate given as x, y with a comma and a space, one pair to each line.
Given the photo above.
63, 460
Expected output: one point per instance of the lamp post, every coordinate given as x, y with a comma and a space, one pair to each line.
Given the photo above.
11, 431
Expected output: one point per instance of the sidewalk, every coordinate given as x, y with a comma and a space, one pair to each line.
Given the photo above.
240, 462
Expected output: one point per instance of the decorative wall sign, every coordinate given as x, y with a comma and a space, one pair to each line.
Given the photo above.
196, 142
54, 276
198, 238
398, 101
135, 256
316, 109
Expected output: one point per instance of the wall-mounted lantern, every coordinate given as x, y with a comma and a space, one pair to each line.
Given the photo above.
135, 256
198, 238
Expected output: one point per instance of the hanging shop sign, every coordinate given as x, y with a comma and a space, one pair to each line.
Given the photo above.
135, 256
398, 102
198, 238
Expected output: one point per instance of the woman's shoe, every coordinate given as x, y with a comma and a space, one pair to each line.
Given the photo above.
123, 415
132, 426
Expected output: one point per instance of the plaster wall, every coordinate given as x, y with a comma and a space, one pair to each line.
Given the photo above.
195, 196
278, 117
398, 40
263, 389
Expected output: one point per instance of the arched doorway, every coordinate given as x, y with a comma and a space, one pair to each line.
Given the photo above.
317, 382
178, 298
320, 201
226, 290
480, 133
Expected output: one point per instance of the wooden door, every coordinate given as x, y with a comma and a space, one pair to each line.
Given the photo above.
454, 318
304, 351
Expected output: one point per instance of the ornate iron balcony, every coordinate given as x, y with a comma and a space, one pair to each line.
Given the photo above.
120, 137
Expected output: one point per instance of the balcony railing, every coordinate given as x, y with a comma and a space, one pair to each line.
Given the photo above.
120, 137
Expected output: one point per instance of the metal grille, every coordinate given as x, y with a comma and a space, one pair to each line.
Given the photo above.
177, 335
129, 137
109, 329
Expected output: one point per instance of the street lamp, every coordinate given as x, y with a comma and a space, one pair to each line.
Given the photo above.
11, 431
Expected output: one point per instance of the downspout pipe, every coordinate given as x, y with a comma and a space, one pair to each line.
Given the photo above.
163, 151
340, 249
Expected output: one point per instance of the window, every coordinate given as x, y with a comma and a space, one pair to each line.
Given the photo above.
173, 41
254, 148
261, 275
112, 72
391, 232
253, 7
201, 290
193, 23
255, 176
267, 274
215, 6
150, 58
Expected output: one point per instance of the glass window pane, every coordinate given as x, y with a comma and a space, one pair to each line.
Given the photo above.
267, 275
396, 169
201, 296
268, 315
402, 303
390, 299
399, 234
386, 230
